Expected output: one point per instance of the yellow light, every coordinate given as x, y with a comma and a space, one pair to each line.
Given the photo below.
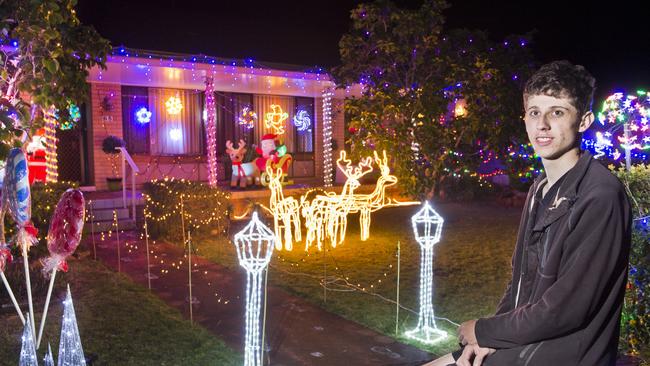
275, 119
459, 109
326, 215
51, 162
174, 105
285, 212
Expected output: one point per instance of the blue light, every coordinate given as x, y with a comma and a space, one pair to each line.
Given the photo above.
143, 115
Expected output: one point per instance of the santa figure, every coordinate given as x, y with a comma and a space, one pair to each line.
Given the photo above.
268, 150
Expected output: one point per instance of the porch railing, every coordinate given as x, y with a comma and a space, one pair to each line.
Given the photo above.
126, 157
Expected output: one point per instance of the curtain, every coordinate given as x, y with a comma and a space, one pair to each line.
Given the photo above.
262, 104
175, 134
229, 107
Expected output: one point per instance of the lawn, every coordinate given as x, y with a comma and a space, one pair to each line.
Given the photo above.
120, 323
472, 266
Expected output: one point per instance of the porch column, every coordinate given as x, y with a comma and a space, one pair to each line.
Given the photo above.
211, 131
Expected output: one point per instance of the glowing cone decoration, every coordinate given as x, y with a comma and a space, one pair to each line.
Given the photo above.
48, 360
254, 245
427, 226
28, 348
70, 351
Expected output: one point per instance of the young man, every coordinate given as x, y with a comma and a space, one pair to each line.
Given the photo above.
563, 303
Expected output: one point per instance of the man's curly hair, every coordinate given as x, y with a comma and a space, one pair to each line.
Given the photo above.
562, 79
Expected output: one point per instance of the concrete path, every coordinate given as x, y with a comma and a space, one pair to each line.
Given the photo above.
297, 332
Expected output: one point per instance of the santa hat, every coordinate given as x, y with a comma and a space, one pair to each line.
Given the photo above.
269, 136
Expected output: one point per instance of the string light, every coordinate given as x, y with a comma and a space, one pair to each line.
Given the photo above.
275, 119
427, 227
285, 211
211, 131
174, 105
51, 161
327, 138
626, 118
254, 244
326, 215
168, 205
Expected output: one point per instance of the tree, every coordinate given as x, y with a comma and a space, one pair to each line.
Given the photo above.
44, 61
437, 102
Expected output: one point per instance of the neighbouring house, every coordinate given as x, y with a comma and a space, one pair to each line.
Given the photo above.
156, 102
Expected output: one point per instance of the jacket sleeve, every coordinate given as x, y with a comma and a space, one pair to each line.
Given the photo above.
592, 254
506, 300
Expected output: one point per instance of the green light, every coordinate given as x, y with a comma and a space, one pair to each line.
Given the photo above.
641, 92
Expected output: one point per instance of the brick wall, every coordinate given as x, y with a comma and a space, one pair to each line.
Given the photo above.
103, 124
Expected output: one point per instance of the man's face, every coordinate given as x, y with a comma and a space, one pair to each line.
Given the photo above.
553, 125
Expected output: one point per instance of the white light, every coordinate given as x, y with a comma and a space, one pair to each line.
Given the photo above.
254, 244
327, 137
70, 350
427, 227
176, 134
28, 349
302, 120
143, 115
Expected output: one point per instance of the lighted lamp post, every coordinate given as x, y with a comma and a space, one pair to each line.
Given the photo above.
254, 244
427, 226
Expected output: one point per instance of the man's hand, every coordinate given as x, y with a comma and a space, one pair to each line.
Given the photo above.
475, 352
466, 334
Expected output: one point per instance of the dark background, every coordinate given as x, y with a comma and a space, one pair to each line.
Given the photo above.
611, 39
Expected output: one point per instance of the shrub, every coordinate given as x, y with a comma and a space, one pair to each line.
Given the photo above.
635, 322
205, 210
111, 143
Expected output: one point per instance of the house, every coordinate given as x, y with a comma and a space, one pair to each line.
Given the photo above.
156, 102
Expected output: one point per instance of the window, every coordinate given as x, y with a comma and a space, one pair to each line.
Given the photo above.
135, 124
176, 122
229, 109
303, 125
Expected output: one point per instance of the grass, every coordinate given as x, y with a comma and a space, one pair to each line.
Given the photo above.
120, 322
472, 266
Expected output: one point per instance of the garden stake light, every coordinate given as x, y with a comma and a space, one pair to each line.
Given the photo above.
427, 227
254, 244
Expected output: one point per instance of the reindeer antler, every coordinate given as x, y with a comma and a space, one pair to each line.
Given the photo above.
382, 163
229, 145
354, 172
242, 143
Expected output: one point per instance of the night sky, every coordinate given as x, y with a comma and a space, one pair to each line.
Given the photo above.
612, 40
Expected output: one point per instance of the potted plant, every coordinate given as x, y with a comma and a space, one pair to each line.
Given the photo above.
109, 146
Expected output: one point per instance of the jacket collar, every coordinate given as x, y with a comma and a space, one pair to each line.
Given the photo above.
567, 193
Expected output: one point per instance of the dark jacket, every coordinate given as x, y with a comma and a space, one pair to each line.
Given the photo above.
569, 270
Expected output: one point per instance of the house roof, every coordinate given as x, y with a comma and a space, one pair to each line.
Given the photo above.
127, 66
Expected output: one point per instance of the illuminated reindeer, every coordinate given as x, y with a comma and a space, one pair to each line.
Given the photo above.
326, 215
367, 203
285, 210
